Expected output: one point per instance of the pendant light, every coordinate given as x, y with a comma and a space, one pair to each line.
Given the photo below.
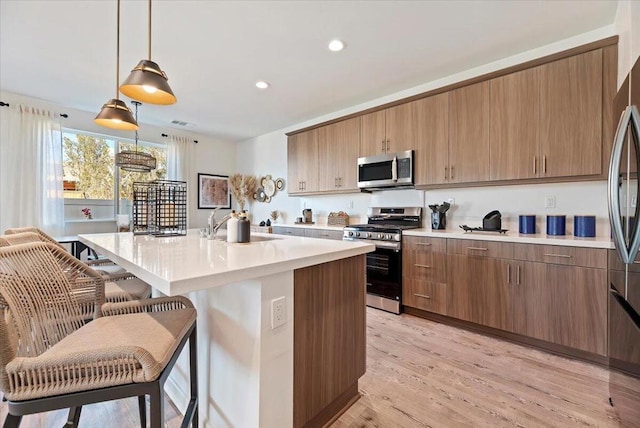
135, 161
147, 82
115, 114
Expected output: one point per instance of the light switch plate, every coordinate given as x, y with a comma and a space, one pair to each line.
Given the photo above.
549, 201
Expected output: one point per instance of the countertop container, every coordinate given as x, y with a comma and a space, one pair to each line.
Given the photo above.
527, 224
556, 225
584, 226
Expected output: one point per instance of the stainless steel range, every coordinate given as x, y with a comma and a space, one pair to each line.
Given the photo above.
384, 265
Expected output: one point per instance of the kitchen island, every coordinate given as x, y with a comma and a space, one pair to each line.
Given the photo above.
252, 374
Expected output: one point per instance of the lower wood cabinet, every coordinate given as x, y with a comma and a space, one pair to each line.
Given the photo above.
551, 293
424, 274
479, 291
566, 305
308, 232
283, 230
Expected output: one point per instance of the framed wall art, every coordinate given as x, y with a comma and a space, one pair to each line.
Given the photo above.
213, 191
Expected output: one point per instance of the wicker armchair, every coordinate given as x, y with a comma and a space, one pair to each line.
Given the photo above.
120, 287
51, 359
105, 266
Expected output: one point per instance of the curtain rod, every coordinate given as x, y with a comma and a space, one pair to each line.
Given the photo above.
166, 135
3, 104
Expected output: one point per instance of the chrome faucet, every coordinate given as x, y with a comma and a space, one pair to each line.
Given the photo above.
214, 225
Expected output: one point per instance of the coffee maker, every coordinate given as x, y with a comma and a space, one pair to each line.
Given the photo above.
307, 216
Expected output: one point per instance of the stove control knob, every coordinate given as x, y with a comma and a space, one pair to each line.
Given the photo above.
350, 233
368, 234
358, 234
380, 236
387, 237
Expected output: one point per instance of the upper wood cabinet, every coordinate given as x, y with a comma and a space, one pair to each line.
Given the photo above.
553, 121
431, 138
469, 134
373, 138
571, 116
547, 121
302, 161
514, 125
338, 155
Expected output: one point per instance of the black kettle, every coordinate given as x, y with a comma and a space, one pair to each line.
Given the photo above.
492, 221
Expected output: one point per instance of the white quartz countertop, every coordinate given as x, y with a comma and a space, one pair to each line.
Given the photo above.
309, 226
181, 264
567, 240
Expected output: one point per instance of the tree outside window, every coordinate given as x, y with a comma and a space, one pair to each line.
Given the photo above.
89, 171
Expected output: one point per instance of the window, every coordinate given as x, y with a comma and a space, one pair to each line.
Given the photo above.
91, 179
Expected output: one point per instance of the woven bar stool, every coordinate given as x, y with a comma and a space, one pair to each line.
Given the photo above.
120, 287
51, 359
103, 265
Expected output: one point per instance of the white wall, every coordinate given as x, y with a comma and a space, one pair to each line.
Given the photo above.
627, 25
267, 154
209, 155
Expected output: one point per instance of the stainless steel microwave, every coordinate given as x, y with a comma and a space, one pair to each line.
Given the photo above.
386, 171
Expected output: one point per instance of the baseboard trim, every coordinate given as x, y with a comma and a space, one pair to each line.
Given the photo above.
336, 408
553, 348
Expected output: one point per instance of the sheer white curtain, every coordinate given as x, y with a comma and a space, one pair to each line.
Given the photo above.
179, 152
179, 160
31, 169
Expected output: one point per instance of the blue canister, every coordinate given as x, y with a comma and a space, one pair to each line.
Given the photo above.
584, 226
527, 224
556, 225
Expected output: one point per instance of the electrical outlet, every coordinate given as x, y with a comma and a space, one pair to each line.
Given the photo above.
634, 201
278, 312
350, 205
549, 201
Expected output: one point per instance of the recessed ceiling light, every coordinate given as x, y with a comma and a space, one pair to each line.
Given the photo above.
336, 45
262, 85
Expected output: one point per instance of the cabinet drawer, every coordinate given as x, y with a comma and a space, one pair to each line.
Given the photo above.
429, 296
323, 234
468, 247
424, 265
420, 243
293, 231
555, 254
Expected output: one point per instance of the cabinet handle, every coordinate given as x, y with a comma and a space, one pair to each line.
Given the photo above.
508, 274
304, 185
544, 164
636, 263
451, 173
558, 255
426, 244
518, 275
534, 165
387, 145
422, 266
477, 248
383, 146
339, 181
424, 296
445, 172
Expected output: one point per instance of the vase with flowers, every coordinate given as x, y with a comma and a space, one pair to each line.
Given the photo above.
87, 213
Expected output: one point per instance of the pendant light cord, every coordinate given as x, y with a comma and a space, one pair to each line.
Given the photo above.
118, 56
149, 35
136, 103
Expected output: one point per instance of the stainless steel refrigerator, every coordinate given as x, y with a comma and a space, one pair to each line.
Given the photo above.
624, 262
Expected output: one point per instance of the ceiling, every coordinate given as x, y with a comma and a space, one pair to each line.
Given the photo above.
215, 51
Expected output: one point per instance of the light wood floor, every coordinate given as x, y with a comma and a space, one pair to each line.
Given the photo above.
425, 374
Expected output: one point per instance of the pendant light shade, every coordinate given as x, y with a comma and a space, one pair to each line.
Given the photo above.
147, 82
115, 114
135, 161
